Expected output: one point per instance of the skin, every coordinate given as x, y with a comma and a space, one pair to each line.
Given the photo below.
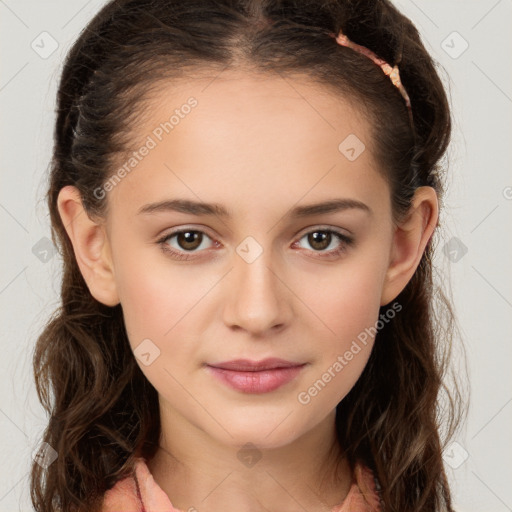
259, 147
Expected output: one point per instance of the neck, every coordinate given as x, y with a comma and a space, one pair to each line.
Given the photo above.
198, 472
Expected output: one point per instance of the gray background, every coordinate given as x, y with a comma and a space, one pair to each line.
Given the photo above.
477, 221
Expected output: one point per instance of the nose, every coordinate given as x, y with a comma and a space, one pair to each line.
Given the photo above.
258, 300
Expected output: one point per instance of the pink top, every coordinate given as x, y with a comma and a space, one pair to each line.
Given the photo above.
149, 497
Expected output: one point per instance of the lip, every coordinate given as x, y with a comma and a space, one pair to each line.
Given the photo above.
256, 376
251, 366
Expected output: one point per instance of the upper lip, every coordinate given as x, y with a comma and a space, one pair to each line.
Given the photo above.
248, 365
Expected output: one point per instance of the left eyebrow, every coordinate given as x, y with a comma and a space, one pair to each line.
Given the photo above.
201, 208
334, 205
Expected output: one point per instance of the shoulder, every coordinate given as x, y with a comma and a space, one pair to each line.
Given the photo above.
363, 495
123, 496
137, 493
368, 486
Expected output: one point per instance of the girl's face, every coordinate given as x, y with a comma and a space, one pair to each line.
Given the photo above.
262, 274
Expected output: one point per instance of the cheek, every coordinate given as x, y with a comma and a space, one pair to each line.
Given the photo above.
346, 300
347, 305
147, 303
157, 309
162, 302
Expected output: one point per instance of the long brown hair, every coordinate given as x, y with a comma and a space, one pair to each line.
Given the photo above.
103, 411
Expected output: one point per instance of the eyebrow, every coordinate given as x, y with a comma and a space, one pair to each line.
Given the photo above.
200, 208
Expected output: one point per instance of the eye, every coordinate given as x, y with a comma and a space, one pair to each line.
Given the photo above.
321, 239
187, 240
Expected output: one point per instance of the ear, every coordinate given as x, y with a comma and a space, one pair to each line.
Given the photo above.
409, 241
91, 246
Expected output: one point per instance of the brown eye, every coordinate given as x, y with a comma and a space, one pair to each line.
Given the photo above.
185, 243
319, 240
188, 240
327, 242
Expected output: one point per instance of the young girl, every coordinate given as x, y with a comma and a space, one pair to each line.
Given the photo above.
244, 194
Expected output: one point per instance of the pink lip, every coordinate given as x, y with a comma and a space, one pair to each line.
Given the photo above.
256, 376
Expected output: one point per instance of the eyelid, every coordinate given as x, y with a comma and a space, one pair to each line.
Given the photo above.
325, 227
182, 228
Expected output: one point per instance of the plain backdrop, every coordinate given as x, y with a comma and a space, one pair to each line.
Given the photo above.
471, 41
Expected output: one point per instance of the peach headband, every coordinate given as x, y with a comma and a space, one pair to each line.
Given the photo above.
392, 72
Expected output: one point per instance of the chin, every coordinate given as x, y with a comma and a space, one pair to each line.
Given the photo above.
264, 431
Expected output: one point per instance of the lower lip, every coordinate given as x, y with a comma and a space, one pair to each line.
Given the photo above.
262, 381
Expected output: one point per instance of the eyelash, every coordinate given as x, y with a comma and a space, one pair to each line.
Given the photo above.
345, 240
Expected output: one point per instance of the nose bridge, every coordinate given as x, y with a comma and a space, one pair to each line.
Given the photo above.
256, 300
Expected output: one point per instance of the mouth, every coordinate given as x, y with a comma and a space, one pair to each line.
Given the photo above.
246, 365
249, 376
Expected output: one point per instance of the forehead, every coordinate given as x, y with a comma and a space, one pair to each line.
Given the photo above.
245, 105
235, 136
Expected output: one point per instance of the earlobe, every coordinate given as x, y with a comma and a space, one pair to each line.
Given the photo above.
409, 241
90, 245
